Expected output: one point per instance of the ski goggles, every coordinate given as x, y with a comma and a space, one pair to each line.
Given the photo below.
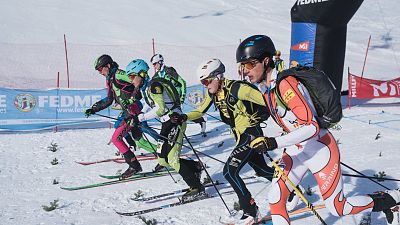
250, 64
141, 74
207, 81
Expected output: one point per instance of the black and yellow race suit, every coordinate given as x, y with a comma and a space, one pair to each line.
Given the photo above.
164, 100
243, 108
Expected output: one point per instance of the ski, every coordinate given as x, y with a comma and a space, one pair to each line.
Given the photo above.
112, 182
293, 215
154, 197
122, 160
144, 174
178, 203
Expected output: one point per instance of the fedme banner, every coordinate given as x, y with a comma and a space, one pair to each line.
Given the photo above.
29, 109
367, 88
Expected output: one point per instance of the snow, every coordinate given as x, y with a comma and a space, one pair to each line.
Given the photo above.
186, 33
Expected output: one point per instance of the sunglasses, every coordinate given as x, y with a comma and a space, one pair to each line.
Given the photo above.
141, 74
207, 81
99, 69
250, 64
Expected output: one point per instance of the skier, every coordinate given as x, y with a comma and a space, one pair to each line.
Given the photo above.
121, 88
170, 74
308, 146
164, 100
241, 106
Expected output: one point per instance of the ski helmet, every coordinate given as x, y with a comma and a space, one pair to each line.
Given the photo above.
157, 58
102, 61
278, 53
139, 67
255, 47
211, 68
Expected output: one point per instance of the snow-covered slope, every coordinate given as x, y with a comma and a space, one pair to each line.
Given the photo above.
186, 32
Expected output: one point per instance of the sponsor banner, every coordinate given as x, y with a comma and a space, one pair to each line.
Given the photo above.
29, 109
32, 110
368, 88
303, 43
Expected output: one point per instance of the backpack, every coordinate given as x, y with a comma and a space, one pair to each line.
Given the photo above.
323, 93
169, 87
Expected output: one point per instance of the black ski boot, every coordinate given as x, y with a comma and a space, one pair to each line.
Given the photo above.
131, 171
385, 201
134, 165
159, 168
194, 193
251, 215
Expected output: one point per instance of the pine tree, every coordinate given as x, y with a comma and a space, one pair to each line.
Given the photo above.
53, 147
53, 206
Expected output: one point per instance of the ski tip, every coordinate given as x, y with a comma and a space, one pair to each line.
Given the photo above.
67, 189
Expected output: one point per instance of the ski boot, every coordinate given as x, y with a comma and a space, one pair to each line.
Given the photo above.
159, 168
250, 216
386, 201
294, 198
194, 193
134, 166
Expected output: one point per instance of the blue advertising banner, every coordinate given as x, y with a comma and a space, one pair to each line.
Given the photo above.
26, 109
30, 109
303, 44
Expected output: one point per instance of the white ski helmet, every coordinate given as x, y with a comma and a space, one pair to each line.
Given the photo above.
157, 58
211, 68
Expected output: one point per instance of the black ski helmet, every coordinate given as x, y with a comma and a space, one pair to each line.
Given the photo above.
255, 47
102, 61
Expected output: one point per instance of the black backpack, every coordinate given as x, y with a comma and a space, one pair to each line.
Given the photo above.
323, 93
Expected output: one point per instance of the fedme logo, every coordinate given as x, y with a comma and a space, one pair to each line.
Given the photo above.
24, 102
64, 101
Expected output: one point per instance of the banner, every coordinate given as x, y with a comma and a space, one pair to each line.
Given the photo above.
319, 29
368, 88
31, 109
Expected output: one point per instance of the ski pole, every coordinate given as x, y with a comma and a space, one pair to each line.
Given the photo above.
177, 142
369, 177
208, 175
109, 117
349, 167
298, 192
146, 140
155, 154
205, 113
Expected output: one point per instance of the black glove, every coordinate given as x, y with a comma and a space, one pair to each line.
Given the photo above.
263, 144
177, 118
131, 120
89, 112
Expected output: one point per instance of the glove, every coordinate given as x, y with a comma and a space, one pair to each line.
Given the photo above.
263, 144
177, 118
89, 112
131, 120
